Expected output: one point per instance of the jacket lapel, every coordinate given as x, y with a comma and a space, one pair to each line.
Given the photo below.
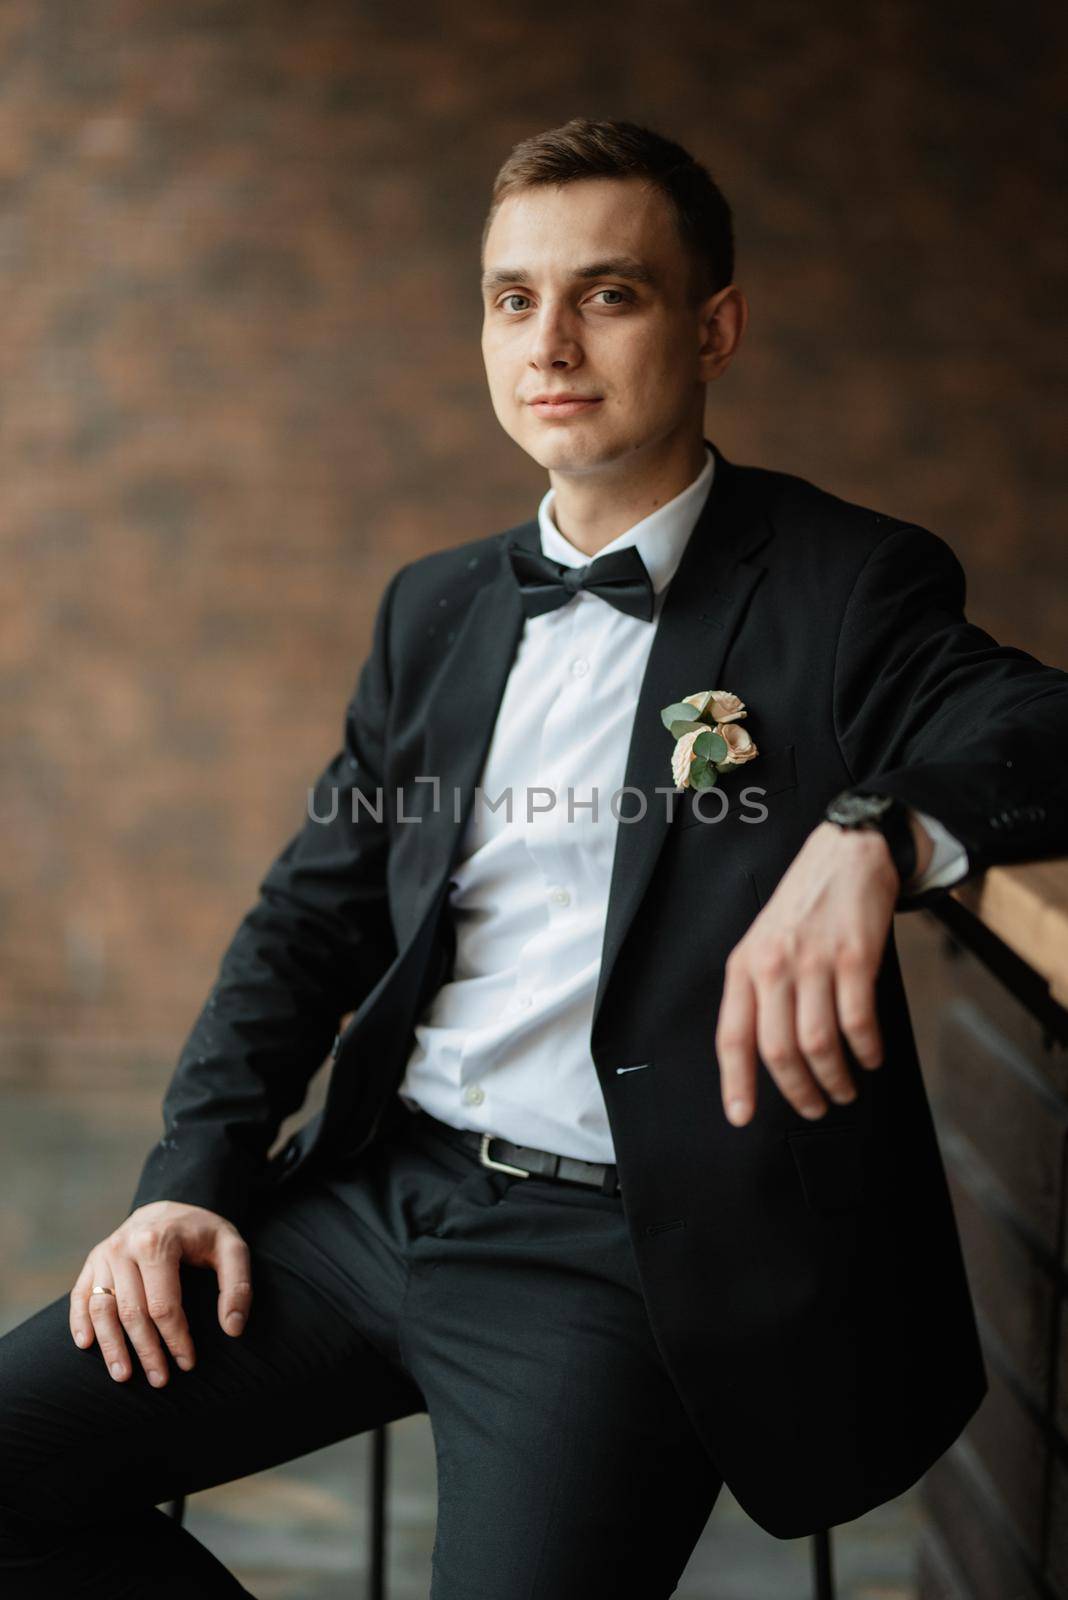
462, 708
703, 607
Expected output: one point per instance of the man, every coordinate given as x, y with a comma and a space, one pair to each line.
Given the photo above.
625, 1173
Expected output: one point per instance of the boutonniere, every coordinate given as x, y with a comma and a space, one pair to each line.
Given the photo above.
708, 739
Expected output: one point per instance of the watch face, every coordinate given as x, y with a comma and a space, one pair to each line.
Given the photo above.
853, 809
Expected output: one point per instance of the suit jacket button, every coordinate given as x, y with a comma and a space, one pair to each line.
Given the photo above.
289, 1155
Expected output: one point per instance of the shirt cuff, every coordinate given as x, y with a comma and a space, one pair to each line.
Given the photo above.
949, 859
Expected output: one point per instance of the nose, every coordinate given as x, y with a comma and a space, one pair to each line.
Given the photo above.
554, 343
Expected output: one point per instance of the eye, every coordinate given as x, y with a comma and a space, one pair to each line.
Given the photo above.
621, 298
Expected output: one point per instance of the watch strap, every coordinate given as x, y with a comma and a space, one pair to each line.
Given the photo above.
896, 829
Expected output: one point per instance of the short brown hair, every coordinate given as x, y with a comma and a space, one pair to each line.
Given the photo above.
582, 148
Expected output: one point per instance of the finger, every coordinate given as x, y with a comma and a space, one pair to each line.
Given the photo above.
133, 1314
81, 1323
777, 1039
736, 1045
234, 1268
855, 993
163, 1298
108, 1328
817, 1034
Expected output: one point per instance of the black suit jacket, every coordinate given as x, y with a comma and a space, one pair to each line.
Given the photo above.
804, 1280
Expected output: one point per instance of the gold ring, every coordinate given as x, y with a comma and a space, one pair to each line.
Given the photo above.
101, 1288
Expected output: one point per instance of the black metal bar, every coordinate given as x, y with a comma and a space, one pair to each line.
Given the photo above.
822, 1566
376, 1582
1026, 985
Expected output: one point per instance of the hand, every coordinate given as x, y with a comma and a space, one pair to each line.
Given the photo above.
804, 973
140, 1262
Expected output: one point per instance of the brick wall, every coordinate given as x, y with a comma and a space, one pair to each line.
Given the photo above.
242, 383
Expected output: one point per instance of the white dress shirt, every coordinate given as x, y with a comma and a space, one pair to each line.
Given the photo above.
503, 1047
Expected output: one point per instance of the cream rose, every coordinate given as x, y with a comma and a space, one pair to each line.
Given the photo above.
682, 757
718, 704
740, 747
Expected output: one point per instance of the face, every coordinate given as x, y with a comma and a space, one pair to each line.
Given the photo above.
585, 295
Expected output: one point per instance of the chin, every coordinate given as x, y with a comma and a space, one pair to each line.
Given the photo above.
564, 448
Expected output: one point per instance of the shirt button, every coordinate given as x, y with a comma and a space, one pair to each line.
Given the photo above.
579, 667
561, 896
473, 1095
523, 1000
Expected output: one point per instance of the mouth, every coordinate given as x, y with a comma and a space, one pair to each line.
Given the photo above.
564, 406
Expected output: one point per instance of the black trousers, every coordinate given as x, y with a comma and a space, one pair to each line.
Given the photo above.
506, 1308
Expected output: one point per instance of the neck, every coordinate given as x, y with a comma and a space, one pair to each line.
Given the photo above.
592, 508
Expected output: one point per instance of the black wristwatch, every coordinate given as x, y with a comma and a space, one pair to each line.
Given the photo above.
883, 812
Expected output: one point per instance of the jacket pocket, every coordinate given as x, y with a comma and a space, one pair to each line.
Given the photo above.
769, 773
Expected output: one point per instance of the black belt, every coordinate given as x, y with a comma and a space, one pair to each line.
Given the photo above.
522, 1160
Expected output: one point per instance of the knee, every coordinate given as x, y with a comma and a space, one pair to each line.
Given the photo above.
37, 1404
32, 1466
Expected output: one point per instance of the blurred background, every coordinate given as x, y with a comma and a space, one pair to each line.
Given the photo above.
242, 385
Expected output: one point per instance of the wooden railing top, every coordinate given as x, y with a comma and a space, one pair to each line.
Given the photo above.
1027, 908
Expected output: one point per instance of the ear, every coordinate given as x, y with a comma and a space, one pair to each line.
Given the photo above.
722, 320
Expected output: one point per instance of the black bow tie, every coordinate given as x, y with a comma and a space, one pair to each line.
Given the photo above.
620, 577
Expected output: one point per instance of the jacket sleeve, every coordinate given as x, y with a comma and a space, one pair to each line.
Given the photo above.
931, 709
316, 941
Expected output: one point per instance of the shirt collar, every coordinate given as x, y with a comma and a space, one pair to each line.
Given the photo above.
660, 537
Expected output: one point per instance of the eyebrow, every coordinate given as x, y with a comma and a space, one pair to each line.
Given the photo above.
610, 267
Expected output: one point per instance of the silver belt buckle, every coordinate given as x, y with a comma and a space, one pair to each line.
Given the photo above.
498, 1166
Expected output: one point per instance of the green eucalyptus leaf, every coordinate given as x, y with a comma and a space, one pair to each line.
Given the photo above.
679, 728
678, 712
702, 775
711, 745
